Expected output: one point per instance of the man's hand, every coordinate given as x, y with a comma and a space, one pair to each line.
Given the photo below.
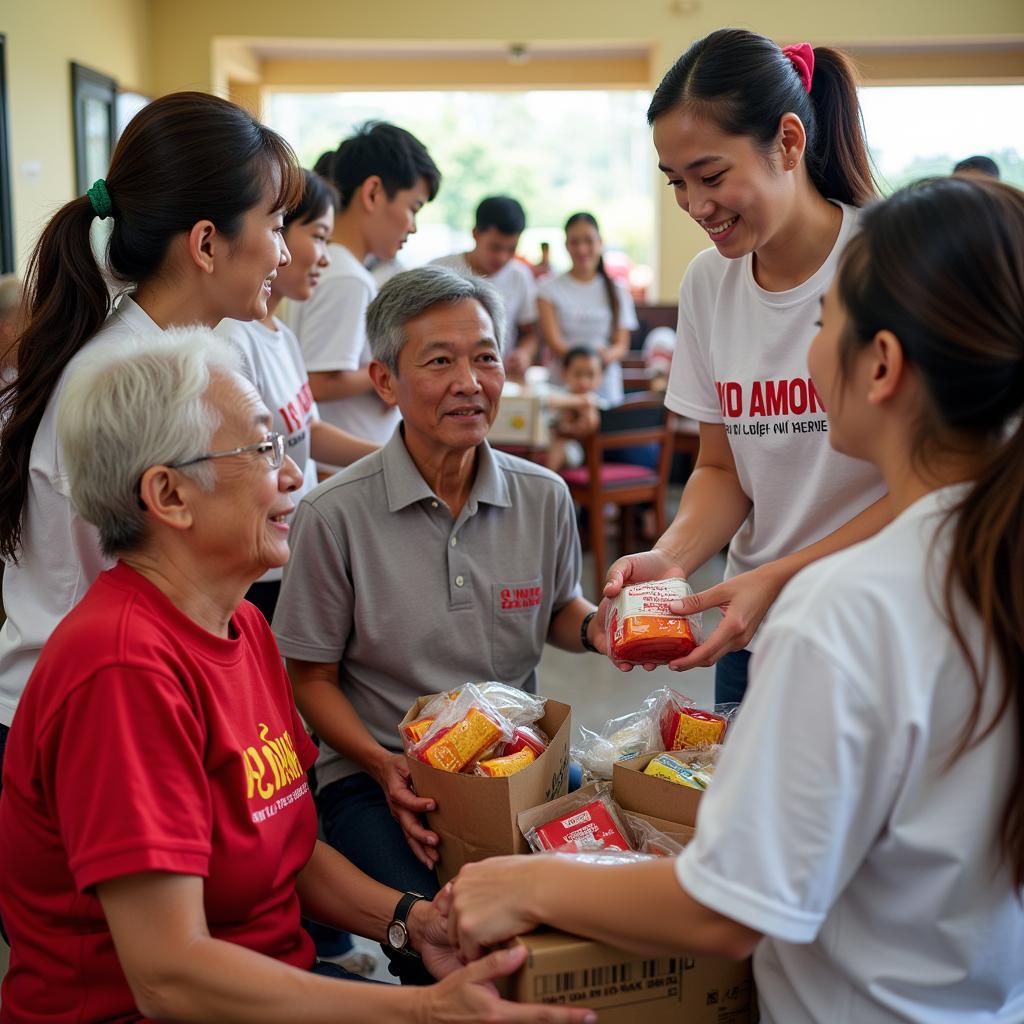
406, 807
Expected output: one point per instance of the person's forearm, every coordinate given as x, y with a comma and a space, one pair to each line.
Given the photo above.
221, 981
330, 385
619, 349
550, 330
866, 524
638, 907
711, 510
331, 715
564, 631
329, 443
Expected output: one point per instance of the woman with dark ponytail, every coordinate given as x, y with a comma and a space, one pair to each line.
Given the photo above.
763, 147
585, 308
864, 834
195, 196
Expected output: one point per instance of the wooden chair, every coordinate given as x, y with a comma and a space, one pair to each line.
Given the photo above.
641, 420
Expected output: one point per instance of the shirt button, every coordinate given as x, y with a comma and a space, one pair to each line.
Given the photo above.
460, 581
433, 504
454, 542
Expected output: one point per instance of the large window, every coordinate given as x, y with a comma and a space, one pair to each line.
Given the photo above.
918, 131
557, 152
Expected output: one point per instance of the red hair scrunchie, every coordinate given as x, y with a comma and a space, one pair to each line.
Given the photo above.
801, 56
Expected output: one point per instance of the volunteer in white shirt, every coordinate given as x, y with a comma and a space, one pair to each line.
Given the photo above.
764, 150
187, 248
585, 308
500, 220
864, 831
384, 177
273, 362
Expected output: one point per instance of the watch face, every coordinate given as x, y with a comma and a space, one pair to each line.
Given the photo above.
398, 937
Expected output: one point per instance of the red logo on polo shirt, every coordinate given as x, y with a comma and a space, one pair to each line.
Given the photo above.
520, 597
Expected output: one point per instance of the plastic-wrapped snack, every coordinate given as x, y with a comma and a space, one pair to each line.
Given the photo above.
683, 725
415, 731
585, 820
648, 839
465, 731
606, 856
619, 739
508, 764
527, 737
642, 630
694, 774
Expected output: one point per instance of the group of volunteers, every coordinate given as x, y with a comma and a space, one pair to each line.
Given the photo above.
856, 366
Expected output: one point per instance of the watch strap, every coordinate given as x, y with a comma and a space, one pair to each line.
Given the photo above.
401, 916
584, 639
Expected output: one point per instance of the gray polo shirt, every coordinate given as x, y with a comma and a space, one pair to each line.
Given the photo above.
409, 601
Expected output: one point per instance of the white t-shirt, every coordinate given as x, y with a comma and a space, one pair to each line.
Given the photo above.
585, 318
331, 328
60, 552
273, 363
741, 360
515, 285
833, 825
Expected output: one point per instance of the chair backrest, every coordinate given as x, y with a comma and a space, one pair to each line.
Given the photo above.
641, 419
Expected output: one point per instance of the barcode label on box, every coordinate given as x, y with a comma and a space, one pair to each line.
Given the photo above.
612, 983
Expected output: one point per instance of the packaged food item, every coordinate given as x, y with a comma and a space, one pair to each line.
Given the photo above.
642, 630
518, 706
527, 737
650, 840
618, 739
507, 764
585, 820
683, 725
415, 731
696, 775
466, 730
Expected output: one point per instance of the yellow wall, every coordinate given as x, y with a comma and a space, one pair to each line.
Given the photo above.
43, 37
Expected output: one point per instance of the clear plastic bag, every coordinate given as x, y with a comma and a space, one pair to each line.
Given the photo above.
694, 768
682, 724
641, 629
650, 840
466, 730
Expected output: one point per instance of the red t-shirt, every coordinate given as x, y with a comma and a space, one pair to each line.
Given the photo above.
145, 743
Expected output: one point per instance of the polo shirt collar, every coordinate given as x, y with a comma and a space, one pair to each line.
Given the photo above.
405, 485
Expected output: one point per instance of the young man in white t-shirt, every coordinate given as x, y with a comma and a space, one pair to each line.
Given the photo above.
500, 221
384, 176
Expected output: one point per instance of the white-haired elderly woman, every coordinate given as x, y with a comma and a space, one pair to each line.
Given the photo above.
430, 562
157, 837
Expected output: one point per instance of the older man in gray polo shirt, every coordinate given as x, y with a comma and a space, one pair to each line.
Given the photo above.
432, 562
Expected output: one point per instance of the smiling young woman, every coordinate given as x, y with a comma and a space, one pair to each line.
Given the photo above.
764, 149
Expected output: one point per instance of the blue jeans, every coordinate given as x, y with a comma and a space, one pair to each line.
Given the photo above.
356, 821
731, 677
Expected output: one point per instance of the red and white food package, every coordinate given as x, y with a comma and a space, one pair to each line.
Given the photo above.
585, 820
642, 630
683, 725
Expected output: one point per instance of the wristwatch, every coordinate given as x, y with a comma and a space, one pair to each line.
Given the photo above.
584, 639
398, 930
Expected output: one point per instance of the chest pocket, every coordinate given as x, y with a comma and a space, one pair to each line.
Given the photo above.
518, 627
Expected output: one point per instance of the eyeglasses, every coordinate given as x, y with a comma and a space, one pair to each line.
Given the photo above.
271, 448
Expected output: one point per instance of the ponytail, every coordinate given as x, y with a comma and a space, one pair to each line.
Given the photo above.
941, 265
183, 158
744, 84
609, 285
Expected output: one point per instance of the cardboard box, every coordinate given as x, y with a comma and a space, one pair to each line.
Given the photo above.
644, 794
625, 988
522, 419
476, 816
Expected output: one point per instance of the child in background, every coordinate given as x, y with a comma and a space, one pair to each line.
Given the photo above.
577, 407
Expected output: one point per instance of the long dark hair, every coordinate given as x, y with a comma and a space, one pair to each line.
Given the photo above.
183, 158
941, 265
318, 196
609, 285
743, 83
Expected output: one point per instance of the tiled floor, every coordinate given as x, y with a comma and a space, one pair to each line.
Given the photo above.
595, 689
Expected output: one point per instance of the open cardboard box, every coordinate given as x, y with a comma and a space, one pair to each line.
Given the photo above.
625, 987
659, 798
476, 816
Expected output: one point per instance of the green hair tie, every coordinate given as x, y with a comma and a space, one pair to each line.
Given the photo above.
100, 199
